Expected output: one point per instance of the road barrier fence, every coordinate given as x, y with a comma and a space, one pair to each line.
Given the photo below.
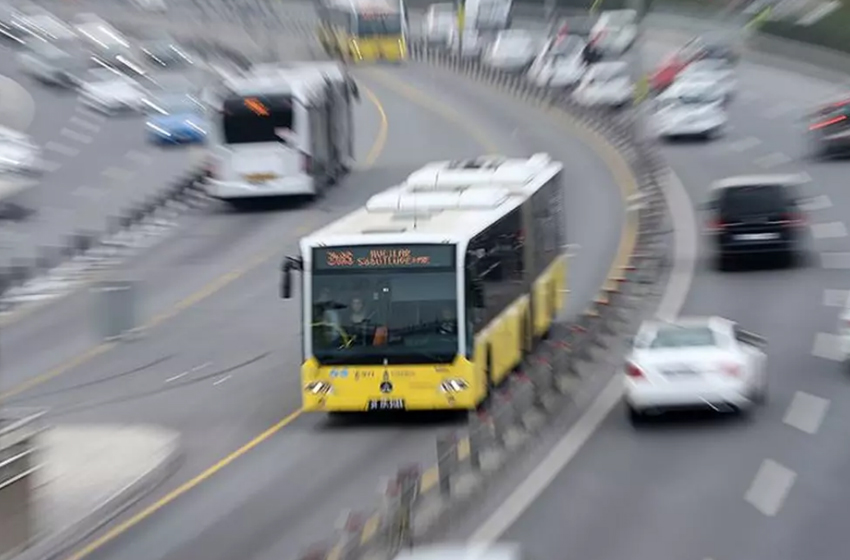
417, 504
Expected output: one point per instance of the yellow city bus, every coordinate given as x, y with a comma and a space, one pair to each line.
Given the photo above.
363, 30
431, 294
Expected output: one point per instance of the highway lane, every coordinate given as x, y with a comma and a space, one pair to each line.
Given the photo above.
767, 487
288, 491
94, 167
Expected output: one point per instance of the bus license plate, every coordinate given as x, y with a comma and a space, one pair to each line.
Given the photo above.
386, 404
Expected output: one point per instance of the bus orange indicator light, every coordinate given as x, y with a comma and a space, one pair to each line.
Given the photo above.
257, 106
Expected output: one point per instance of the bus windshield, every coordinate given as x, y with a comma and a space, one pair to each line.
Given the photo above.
375, 312
256, 119
373, 25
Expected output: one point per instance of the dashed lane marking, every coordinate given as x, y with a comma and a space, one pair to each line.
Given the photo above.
83, 123
772, 160
770, 487
76, 136
835, 261
61, 149
829, 230
828, 347
806, 412
820, 202
835, 298
744, 144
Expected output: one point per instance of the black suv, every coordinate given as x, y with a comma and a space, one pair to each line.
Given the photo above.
757, 215
829, 129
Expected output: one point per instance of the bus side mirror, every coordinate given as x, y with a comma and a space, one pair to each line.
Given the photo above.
286, 276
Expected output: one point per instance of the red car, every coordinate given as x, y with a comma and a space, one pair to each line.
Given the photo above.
666, 73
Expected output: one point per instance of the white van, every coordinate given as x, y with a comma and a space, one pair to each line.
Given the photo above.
283, 132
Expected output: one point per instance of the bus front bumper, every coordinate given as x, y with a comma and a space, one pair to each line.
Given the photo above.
418, 400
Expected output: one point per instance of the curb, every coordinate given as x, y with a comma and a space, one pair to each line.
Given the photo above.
416, 503
62, 542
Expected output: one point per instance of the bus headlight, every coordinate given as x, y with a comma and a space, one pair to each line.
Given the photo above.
319, 388
453, 386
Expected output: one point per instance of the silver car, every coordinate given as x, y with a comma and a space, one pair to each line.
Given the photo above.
54, 64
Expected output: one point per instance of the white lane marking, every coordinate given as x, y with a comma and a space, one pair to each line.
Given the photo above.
828, 347
90, 114
678, 284
138, 157
176, 377
835, 261
117, 174
820, 202
188, 371
772, 160
76, 136
82, 123
835, 298
61, 149
222, 380
806, 412
829, 230
50, 166
770, 487
18, 108
744, 144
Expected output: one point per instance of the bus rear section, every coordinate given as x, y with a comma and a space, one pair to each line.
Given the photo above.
379, 35
383, 331
264, 149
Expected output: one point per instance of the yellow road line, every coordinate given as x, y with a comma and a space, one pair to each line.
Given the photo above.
182, 489
205, 292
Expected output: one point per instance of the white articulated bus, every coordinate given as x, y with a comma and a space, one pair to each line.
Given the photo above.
432, 293
285, 131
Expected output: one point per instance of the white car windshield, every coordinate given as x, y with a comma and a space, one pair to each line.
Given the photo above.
683, 337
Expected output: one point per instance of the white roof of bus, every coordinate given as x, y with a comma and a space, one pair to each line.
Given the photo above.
299, 79
442, 202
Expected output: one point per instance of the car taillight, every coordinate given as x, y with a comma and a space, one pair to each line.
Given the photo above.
633, 371
732, 370
793, 220
716, 225
306, 163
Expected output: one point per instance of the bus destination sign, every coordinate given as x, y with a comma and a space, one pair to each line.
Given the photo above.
388, 256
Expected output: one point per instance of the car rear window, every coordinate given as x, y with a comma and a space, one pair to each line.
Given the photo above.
756, 199
683, 337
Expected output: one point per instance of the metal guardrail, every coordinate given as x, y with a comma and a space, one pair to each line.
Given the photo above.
19, 430
418, 502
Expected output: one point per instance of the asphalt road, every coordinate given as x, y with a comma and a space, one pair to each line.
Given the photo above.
95, 166
772, 487
227, 368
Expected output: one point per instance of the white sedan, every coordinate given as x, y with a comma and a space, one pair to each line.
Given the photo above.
689, 109
717, 71
560, 64
18, 154
512, 51
707, 363
109, 91
605, 84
